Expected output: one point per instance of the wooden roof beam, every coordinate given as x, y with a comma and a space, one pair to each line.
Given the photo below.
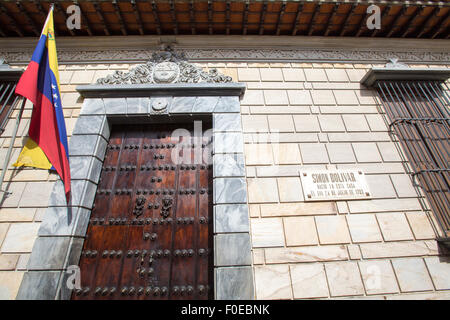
436, 29
101, 17
28, 18
156, 17
41, 10
362, 24
119, 17
280, 17
313, 19
137, 15
332, 14
245, 18
408, 21
394, 25
409, 25
192, 16
43, 13
347, 19
228, 4
297, 19
84, 19
440, 26
174, 17
426, 23
58, 6
13, 23
2, 33
210, 28
262, 18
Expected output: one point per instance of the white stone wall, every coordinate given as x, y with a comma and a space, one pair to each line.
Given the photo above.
294, 115
299, 116
22, 212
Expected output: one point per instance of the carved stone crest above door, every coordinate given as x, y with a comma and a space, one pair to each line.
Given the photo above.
166, 67
166, 72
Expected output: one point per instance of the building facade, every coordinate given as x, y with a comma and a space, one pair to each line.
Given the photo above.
272, 109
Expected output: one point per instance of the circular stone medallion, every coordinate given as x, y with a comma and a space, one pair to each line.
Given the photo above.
159, 105
166, 72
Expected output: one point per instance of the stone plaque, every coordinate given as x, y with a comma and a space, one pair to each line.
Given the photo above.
320, 185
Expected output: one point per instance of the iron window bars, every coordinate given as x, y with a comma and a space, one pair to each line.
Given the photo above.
418, 114
8, 100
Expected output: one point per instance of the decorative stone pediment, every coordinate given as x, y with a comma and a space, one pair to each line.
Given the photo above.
166, 67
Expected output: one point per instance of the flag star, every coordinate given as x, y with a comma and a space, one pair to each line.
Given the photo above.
55, 96
53, 87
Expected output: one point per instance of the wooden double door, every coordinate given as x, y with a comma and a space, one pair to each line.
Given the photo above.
150, 231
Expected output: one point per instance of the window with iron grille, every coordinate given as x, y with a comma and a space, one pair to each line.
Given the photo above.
8, 81
8, 100
418, 115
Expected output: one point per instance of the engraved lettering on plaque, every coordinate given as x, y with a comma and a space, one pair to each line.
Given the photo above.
319, 185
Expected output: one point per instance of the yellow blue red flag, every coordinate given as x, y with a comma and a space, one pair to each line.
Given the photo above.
47, 146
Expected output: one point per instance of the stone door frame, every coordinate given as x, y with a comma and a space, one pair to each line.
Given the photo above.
61, 235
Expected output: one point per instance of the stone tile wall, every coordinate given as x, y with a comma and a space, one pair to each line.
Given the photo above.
294, 116
22, 212
299, 116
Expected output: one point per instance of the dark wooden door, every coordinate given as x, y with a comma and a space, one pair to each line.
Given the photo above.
150, 232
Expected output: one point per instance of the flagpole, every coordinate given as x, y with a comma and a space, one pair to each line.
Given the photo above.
11, 145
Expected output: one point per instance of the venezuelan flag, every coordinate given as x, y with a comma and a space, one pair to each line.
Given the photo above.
47, 146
